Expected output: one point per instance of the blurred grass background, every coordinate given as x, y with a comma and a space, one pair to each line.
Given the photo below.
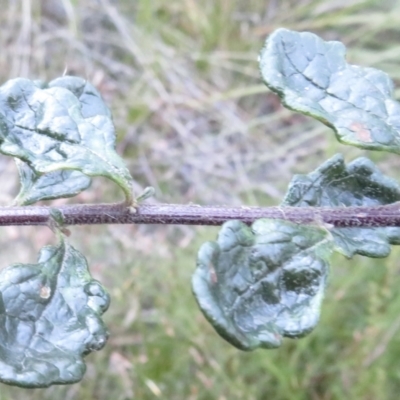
195, 121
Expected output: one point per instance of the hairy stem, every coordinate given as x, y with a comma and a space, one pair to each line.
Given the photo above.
388, 215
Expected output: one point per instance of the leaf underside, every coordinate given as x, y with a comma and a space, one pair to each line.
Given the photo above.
49, 319
257, 284
54, 185
360, 183
311, 76
62, 133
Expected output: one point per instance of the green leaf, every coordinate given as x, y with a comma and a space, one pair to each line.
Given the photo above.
49, 319
360, 183
89, 98
259, 283
64, 126
54, 185
311, 76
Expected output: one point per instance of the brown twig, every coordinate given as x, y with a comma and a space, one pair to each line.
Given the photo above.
388, 215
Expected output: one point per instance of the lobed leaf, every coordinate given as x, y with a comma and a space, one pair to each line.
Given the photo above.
257, 284
55, 129
54, 185
311, 76
49, 319
360, 183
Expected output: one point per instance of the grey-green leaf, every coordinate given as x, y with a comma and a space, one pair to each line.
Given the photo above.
54, 185
49, 319
257, 284
89, 98
360, 183
60, 127
312, 77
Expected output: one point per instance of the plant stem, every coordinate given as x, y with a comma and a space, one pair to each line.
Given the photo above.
388, 215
